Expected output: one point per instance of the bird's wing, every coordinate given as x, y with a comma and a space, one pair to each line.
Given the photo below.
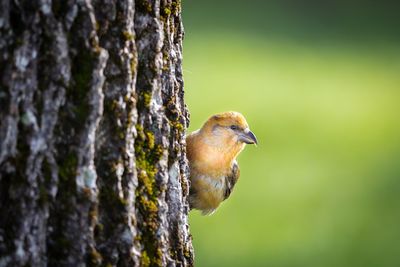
231, 180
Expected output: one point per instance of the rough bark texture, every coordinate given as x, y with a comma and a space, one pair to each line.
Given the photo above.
92, 123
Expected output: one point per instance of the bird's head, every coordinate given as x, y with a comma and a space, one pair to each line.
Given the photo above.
229, 129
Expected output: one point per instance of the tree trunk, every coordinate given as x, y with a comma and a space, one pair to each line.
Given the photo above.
92, 123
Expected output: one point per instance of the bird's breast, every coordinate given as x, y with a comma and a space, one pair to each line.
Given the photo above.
216, 184
209, 192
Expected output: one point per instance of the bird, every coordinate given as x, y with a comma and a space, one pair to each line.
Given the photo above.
211, 152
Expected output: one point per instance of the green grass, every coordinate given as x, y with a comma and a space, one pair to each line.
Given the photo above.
322, 187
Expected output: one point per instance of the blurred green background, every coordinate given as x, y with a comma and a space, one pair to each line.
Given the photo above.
319, 83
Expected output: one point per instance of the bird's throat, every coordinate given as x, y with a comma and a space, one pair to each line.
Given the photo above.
220, 157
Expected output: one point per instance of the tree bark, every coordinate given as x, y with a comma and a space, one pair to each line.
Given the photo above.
92, 123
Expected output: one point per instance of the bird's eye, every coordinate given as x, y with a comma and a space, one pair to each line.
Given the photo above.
234, 127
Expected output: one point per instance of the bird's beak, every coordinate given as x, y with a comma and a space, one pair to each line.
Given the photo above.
248, 137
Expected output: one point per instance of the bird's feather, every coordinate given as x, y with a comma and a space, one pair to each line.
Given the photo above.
231, 179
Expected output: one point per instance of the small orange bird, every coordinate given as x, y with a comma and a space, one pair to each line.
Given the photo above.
212, 152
